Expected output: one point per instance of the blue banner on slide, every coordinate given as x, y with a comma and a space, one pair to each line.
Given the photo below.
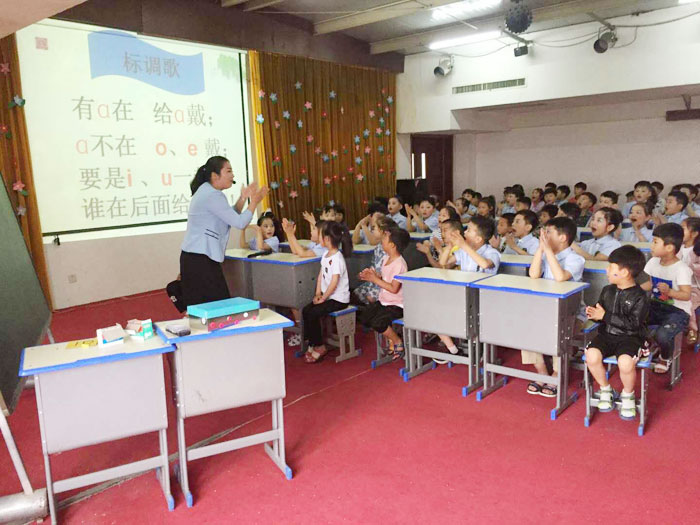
118, 53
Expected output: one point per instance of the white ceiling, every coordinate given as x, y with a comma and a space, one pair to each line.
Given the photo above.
407, 26
16, 14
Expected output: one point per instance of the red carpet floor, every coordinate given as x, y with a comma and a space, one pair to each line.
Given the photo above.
366, 447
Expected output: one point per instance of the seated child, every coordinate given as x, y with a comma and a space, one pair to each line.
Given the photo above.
556, 260
570, 210
694, 293
473, 254
586, 201
676, 203
332, 289
267, 234
362, 233
432, 250
548, 211
511, 196
563, 193
380, 315
394, 208
622, 311
340, 214
446, 213
579, 189
367, 292
460, 205
550, 197
691, 191
328, 213
523, 203
608, 199
521, 241
691, 239
643, 192
503, 228
469, 196
426, 220
603, 224
670, 283
486, 207
639, 217
536, 200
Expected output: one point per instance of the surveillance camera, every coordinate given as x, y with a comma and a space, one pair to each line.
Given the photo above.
444, 68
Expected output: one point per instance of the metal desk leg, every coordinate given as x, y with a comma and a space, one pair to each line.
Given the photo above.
276, 451
642, 405
163, 473
589, 396
563, 397
181, 467
475, 378
490, 384
416, 366
49, 489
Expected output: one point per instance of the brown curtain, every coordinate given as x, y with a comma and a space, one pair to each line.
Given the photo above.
15, 161
344, 149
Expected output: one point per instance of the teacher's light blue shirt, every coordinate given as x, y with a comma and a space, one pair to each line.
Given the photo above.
209, 222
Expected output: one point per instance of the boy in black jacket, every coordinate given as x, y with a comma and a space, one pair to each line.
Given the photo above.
622, 310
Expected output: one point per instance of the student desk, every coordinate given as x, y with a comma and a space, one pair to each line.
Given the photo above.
361, 258
441, 302
229, 368
512, 264
286, 248
644, 247
528, 314
414, 258
594, 273
583, 234
236, 268
90, 395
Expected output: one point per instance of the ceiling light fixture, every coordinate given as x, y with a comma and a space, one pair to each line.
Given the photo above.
444, 67
606, 40
464, 40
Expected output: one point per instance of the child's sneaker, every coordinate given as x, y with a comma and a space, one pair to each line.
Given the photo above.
606, 399
294, 340
628, 407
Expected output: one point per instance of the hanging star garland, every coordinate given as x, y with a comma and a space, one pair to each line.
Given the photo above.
286, 115
359, 177
325, 158
365, 133
297, 85
277, 124
21, 210
273, 98
308, 106
358, 161
327, 181
260, 119
293, 194
379, 132
5, 68
292, 149
357, 139
261, 94
371, 113
16, 101
300, 124
309, 139
304, 182
390, 100
332, 95
274, 185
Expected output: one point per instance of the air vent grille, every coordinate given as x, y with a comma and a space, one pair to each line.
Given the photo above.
489, 86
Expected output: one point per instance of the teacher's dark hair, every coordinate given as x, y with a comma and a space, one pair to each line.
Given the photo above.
214, 164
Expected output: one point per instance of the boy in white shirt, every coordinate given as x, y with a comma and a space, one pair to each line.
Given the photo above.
380, 315
521, 241
556, 260
395, 206
670, 283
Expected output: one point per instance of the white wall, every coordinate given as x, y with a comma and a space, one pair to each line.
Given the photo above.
605, 155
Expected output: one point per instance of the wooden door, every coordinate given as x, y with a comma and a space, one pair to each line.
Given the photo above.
431, 157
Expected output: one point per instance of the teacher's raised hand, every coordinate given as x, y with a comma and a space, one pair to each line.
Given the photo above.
249, 191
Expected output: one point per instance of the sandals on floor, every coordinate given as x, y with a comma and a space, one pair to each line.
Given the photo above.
396, 352
534, 388
312, 356
548, 391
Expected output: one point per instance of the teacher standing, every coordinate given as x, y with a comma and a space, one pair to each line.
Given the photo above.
209, 222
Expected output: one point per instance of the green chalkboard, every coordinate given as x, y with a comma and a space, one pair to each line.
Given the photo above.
24, 313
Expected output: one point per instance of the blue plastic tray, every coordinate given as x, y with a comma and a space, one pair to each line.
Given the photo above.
236, 305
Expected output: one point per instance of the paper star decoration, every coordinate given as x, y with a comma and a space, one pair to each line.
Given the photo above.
261, 94
379, 132
5, 68
359, 177
390, 100
357, 139
300, 124
309, 139
387, 132
292, 149
317, 151
386, 109
351, 169
307, 106
18, 185
280, 204
3, 128
21, 210
358, 161
380, 149
327, 181
274, 185
16, 101
383, 91
324, 115
357, 147
332, 94
334, 153
297, 85
293, 194
371, 113
276, 162
342, 110
368, 150
260, 118
365, 133
325, 158
381, 172
381, 121
273, 98
302, 170
277, 124
331, 203
304, 182
286, 115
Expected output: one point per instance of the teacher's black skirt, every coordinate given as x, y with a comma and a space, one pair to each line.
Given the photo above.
202, 279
